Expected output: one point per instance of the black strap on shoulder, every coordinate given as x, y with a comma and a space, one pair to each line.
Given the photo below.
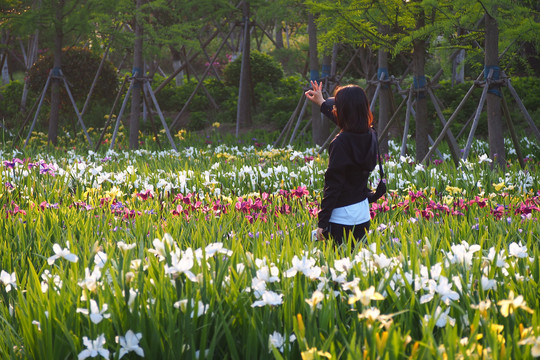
381, 171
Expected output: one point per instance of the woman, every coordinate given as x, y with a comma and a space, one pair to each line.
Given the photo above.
352, 157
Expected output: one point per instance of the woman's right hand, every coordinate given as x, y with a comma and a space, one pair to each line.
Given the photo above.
320, 234
315, 93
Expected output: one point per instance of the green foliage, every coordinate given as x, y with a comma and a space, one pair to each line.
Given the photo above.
291, 59
276, 104
194, 292
166, 97
528, 89
197, 121
264, 69
356, 22
10, 102
79, 67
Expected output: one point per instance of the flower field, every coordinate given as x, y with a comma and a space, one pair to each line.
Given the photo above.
206, 253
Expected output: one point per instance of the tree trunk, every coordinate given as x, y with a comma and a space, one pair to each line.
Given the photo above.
333, 65
137, 85
29, 61
493, 106
177, 63
4, 60
243, 116
422, 122
279, 35
326, 66
458, 68
458, 65
5, 72
384, 94
55, 81
320, 129
365, 55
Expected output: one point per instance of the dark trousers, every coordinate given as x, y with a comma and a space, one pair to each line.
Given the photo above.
340, 232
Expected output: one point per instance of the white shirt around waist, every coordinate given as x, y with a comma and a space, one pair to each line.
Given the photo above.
354, 214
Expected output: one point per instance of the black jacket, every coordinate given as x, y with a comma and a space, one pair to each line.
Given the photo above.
352, 157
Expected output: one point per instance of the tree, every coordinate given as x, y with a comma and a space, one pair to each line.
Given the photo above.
138, 72
60, 22
507, 25
245, 93
419, 61
320, 130
279, 14
375, 25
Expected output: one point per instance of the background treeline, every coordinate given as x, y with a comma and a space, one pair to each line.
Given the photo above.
174, 31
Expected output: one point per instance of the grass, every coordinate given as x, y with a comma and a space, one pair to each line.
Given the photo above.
222, 264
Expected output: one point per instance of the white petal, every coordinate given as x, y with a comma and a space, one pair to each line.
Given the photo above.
96, 318
71, 257
426, 298
84, 354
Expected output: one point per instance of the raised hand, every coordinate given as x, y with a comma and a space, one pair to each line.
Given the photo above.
315, 93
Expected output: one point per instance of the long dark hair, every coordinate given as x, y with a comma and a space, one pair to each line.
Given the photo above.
352, 109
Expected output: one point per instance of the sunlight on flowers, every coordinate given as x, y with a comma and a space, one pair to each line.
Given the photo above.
365, 296
313, 354
508, 305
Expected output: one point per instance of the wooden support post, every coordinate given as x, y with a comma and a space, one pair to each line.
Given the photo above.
109, 118
392, 119
293, 116
325, 144
377, 89
438, 152
211, 64
29, 61
523, 109
346, 68
266, 33
173, 124
462, 131
152, 124
207, 93
304, 129
39, 108
119, 118
96, 77
477, 116
452, 143
302, 112
407, 122
161, 117
450, 121
243, 109
405, 73
27, 118
191, 58
75, 108
513, 134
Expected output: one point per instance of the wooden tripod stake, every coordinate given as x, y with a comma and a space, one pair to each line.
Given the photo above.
66, 85
148, 88
477, 116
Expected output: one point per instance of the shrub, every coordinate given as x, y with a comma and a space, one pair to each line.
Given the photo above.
277, 104
264, 70
10, 101
291, 59
166, 97
528, 89
197, 121
79, 67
